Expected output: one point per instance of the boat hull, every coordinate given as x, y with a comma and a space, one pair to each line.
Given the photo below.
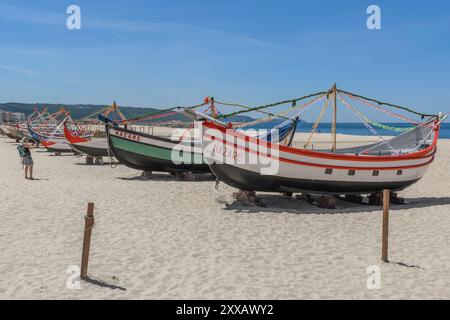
4, 129
86, 145
59, 145
151, 153
91, 148
14, 133
251, 181
253, 165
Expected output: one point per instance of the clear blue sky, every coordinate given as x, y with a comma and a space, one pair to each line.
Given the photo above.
167, 53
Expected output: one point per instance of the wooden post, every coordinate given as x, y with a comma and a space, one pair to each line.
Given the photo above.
385, 238
333, 127
89, 223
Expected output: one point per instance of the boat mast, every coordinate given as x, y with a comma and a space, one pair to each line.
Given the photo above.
213, 108
333, 125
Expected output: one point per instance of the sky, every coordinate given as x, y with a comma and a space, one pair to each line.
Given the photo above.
164, 53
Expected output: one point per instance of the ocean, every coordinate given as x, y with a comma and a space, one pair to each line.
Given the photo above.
360, 130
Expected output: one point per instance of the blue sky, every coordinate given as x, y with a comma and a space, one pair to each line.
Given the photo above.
167, 53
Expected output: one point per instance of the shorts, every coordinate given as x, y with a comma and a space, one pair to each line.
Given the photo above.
28, 160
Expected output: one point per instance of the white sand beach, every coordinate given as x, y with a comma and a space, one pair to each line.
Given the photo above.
168, 239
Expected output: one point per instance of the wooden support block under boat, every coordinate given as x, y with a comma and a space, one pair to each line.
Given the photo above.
395, 199
327, 202
190, 176
376, 199
89, 160
247, 196
186, 176
98, 161
147, 174
353, 198
305, 197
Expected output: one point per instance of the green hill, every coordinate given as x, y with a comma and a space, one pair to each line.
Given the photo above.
79, 111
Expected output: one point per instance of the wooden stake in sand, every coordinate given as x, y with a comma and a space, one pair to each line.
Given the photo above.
89, 223
385, 242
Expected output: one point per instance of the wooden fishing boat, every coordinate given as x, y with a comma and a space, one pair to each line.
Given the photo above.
147, 152
57, 144
14, 132
18, 130
53, 140
42, 122
88, 146
178, 153
7, 132
251, 164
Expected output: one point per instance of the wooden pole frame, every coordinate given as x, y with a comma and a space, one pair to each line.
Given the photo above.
88, 225
333, 126
385, 235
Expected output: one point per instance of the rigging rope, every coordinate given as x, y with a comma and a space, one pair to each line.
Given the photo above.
144, 117
316, 124
158, 116
363, 119
186, 130
382, 109
304, 107
383, 126
89, 116
390, 105
248, 109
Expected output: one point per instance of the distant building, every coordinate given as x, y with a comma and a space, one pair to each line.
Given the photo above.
6, 116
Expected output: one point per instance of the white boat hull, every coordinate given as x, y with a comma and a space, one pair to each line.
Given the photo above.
251, 164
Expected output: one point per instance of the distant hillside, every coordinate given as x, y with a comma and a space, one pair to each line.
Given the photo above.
79, 111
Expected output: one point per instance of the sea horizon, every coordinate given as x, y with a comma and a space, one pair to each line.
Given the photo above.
359, 129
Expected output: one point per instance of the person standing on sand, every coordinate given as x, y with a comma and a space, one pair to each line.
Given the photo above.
27, 160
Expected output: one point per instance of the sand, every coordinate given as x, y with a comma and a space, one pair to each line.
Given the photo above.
169, 239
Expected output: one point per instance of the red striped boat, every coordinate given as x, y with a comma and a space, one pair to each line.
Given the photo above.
252, 164
86, 145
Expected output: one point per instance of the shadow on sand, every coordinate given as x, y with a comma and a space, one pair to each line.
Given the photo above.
170, 177
406, 265
60, 155
103, 284
282, 204
105, 163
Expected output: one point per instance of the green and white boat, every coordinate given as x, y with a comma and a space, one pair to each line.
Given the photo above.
147, 152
